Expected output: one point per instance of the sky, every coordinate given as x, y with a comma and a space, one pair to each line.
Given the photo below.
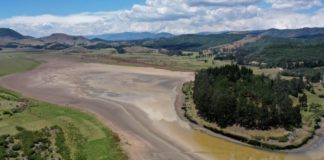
93, 17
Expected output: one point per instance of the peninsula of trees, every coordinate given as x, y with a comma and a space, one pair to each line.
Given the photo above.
233, 95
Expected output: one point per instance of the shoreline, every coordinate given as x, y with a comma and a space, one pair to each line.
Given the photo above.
307, 145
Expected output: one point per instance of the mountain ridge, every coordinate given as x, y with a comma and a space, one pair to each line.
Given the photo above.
130, 36
11, 39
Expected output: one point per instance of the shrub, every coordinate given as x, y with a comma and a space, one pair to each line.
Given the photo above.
13, 154
20, 128
315, 107
16, 147
7, 113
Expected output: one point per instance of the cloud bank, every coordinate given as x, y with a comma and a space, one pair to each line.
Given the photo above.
178, 17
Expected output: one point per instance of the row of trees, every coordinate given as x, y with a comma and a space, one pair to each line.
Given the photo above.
311, 75
232, 95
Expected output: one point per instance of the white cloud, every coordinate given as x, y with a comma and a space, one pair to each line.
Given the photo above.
294, 4
222, 2
175, 16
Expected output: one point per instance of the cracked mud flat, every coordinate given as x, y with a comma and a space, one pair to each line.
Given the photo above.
138, 104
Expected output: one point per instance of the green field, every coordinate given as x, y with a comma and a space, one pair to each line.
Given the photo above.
190, 61
182, 63
85, 137
15, 62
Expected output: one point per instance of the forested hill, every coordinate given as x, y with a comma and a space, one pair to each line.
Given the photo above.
194, 41
232, 95
204, 41
286, 53
293, 33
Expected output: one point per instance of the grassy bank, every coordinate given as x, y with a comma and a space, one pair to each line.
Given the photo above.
272, 139
84, 136
16, 62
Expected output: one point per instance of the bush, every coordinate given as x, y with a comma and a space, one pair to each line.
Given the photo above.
19, 128
10, 139
280, 139
13, 154
315, 107
16, 147
7, 113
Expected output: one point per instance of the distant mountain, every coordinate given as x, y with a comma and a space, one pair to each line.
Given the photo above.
12, 39
98, 40
9, 33
210, 33
65, 39
200, 41
129, 36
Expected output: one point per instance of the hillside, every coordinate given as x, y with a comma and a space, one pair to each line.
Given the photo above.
193, 41
9, 33
65, 39
229, 40
285, 52
293, 33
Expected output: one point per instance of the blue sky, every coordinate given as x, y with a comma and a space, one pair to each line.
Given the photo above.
10, 8
88, 17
